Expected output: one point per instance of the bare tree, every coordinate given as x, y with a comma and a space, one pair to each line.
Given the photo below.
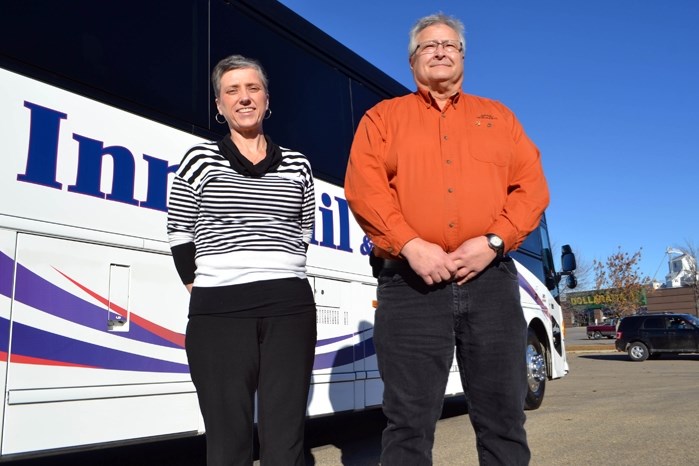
619, 275
583, 272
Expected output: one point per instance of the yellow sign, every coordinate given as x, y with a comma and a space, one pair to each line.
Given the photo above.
602, 298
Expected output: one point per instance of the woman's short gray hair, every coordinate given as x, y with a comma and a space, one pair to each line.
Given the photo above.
236, 62
431, 20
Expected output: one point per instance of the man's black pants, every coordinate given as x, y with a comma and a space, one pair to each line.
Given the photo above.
416, 330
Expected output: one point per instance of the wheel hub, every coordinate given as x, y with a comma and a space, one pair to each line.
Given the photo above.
536, 368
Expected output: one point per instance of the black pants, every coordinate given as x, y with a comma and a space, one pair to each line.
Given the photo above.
230, 359
416, 330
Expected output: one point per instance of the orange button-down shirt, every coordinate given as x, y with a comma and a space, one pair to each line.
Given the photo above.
443, 175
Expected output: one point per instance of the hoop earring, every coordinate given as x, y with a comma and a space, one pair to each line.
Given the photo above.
267, 115
219, 121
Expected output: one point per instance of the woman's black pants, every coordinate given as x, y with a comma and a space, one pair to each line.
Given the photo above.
232, 358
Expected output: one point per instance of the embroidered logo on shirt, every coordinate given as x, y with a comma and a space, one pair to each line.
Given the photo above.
485, 116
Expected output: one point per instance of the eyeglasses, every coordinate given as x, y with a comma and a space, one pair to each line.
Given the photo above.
429, 47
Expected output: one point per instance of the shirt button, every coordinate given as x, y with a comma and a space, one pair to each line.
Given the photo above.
451, 190
443, 115
448, 161
390, 249
452, 225
446, 137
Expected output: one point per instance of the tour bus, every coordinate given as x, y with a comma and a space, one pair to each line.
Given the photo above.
99, 104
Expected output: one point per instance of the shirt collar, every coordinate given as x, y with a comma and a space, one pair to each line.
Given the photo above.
242, 165
426, 97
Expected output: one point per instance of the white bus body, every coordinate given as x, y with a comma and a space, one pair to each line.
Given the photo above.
92, 312
97, 111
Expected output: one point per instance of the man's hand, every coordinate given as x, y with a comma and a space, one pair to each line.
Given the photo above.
471, 258
189, 287
429, 261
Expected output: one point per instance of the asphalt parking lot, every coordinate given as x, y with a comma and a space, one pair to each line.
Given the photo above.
606, 411
576, 340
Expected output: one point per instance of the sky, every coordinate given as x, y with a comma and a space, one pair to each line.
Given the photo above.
608, 91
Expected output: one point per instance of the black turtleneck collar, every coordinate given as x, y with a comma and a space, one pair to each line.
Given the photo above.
242, 165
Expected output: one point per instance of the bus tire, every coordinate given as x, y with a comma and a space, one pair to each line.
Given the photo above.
536, 372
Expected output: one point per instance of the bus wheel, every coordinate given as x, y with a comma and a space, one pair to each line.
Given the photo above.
536, 372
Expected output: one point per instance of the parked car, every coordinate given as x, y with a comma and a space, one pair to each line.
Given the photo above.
605, 329
646, 336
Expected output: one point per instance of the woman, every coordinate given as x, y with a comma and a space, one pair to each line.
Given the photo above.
240, 220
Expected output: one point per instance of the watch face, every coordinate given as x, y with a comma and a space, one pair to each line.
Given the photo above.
495, 241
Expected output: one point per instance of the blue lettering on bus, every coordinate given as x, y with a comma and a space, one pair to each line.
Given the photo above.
42, 160
42, 163
158, 171
326, 216
91, 152
43, 146
328, 229
343, 212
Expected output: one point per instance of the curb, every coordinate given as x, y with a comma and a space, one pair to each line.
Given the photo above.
591, 349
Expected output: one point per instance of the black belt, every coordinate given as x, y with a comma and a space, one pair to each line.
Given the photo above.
394, 264
397, 264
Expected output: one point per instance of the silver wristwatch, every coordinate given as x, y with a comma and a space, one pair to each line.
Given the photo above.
496, 244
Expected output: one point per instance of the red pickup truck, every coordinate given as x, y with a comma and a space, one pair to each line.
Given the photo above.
605, 329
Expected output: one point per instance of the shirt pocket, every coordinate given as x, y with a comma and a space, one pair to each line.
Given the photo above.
491, 144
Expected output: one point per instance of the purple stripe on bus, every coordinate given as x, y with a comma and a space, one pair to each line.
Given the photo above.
35, 343
43, 295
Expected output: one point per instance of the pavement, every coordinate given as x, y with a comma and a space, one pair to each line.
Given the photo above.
590, 348
576, 342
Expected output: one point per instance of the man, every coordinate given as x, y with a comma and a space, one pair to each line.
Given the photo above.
445, 184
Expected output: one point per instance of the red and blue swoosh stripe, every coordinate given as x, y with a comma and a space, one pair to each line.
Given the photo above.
35, 346
31, 345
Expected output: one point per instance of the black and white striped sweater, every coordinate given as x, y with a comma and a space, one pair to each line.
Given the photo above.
243, 228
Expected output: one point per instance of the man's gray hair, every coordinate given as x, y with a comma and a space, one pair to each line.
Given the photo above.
236, 62
431, 20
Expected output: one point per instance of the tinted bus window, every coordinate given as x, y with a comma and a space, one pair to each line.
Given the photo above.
363, 99
313, 113
140, 52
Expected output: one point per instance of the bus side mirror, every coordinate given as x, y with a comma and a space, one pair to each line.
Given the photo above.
568, 265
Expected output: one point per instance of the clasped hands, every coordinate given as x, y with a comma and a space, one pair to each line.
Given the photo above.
434, 265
